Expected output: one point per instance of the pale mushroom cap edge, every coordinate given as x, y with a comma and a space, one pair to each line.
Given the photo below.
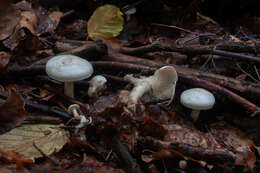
68, 68
197, 99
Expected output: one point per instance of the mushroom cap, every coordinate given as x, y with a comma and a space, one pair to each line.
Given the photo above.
163, 82
98, 80
68, 68
166, 75
73, 106
197, 99
96, 84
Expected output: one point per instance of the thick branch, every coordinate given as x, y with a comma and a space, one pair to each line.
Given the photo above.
190, 50
213, 155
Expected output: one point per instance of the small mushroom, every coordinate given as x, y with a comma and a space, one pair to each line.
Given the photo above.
96, 84
197, 99
183, 164
73, 109
68, 69
160, 86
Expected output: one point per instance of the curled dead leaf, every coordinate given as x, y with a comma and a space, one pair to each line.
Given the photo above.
50, 23
28, 20
4, 60
9, 18
12, 112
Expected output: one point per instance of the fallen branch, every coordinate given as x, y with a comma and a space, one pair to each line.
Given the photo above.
189, 50
211, 155
92, 51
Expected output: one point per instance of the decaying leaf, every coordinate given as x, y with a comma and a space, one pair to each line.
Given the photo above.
28, 20
91, 164
48, 138
106, 22
12, 112
9, 18
4, 60
50, 23
236, 141
12, 157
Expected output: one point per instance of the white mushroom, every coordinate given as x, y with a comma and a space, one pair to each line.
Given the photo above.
183, 164
197, 99
68, 69
96, 84
160, 86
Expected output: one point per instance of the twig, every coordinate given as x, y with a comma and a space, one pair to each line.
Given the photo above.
92, 51
56, 162
249, 75
43, 108
257, 73
171, 26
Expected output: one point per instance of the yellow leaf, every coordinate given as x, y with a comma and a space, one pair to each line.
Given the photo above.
47, 137
105, 23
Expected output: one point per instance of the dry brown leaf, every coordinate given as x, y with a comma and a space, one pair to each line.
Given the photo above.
28, 20
12, 112
48, 138
105, 23
236, 140
4, 60
9, 18
50, 23
207, 22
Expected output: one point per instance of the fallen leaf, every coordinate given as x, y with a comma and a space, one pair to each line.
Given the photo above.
205, 21
12, 157
50, 23
4, 60
105, 23
9, 18
28, 20
13, 41
91, 164
12, 112
48, 138
236, 141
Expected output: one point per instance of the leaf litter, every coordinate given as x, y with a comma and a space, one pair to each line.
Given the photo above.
148, 138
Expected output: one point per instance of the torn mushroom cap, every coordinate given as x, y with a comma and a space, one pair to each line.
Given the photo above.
163, 82
159, 86
96, 84
68, 69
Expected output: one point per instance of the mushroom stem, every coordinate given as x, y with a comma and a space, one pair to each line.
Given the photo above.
69, 89
141, 87
138, 92
195, 115
75, 113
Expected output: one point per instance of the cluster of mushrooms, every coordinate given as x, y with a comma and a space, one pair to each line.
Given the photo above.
161, 85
